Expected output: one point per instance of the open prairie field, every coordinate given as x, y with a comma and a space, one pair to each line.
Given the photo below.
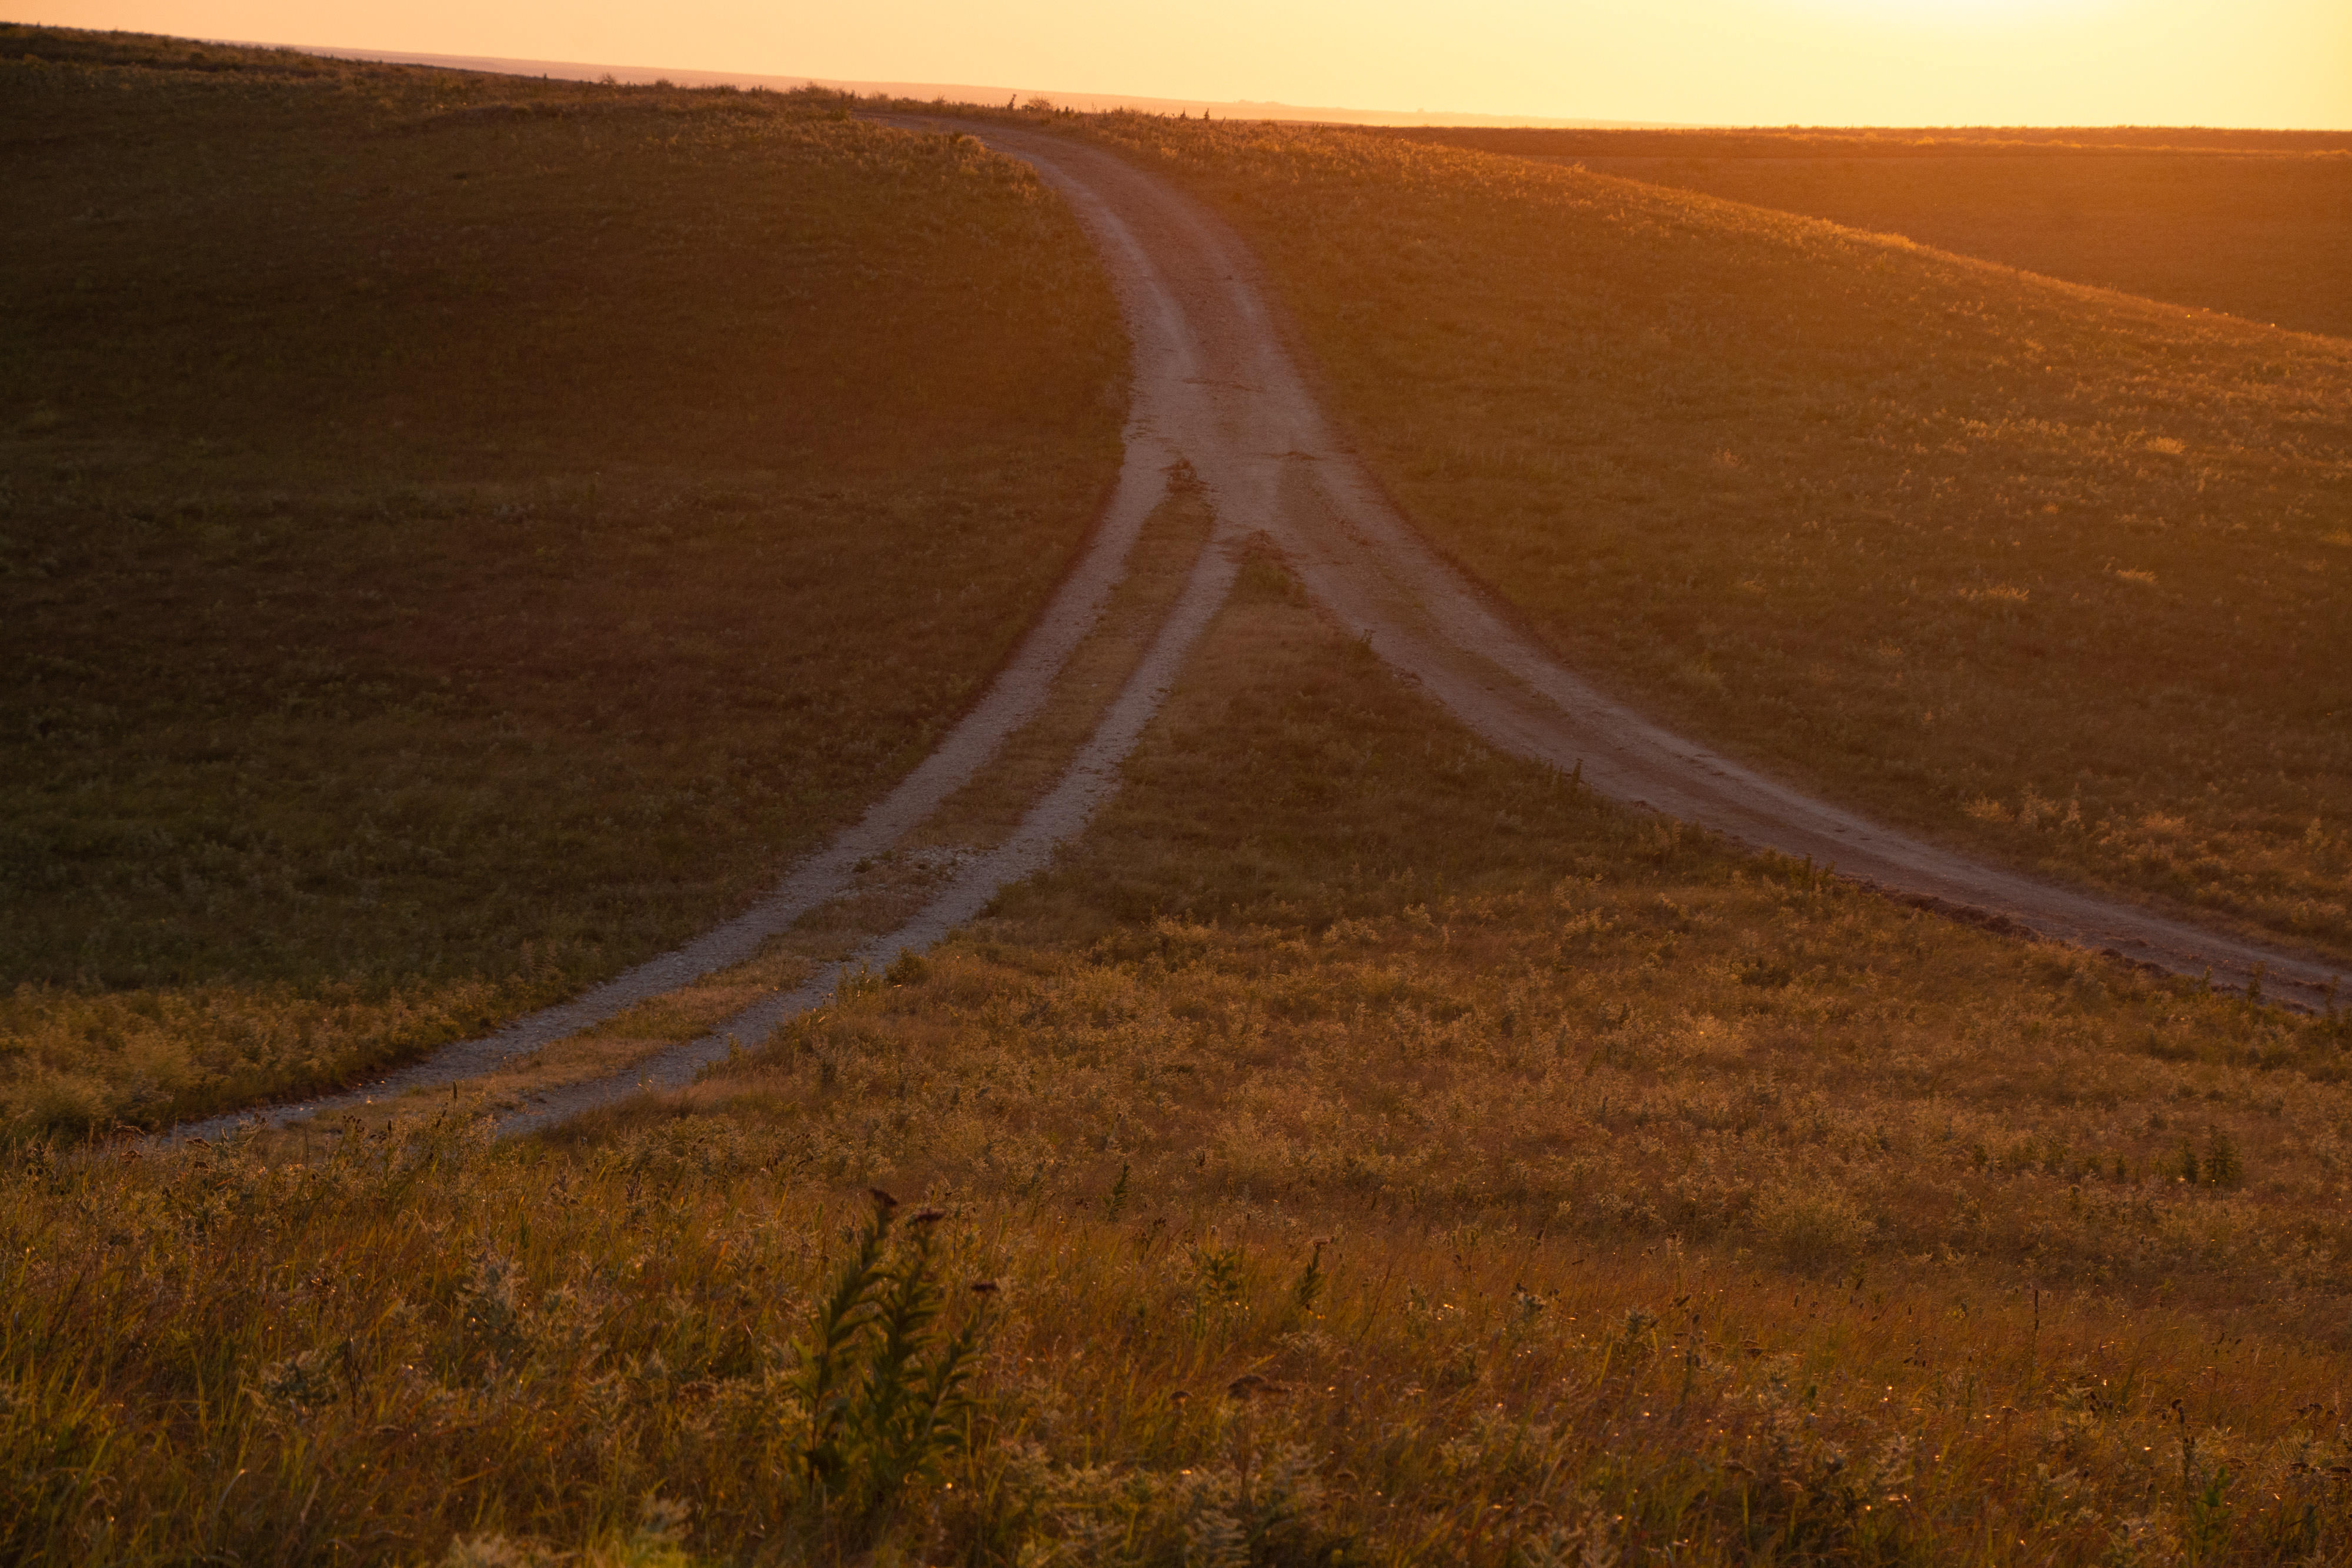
2251, 222
1381, 1152
459, 535
1356, 1144
2042, 570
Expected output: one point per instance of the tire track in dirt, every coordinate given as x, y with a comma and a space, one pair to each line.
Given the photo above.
1160, 394
1262, 445
1091, 779
1175, 414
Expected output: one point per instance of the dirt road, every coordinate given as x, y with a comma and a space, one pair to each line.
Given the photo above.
1162, 403
1254, 433
1215, 388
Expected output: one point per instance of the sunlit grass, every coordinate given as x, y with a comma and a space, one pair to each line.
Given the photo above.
1396, 1156
1918, 531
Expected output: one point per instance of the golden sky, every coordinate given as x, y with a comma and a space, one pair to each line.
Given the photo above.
1887, 62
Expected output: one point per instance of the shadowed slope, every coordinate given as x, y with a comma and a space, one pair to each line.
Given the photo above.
462, 535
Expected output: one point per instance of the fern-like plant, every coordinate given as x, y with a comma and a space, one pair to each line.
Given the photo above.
882, 1381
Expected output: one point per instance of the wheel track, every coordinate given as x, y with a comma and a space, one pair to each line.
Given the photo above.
1214, 387
1158, 397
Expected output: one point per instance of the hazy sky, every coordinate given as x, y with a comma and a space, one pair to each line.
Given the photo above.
1903, 62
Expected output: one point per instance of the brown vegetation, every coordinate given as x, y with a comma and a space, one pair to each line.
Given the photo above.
460, 535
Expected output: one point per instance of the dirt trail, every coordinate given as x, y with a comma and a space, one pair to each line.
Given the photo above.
1163, 403
1259, 440
1215, 388
1090, 780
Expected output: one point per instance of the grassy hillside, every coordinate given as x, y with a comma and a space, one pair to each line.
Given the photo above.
2054, 573
1381, 1152
1361, 1147
459, 535
2251, 225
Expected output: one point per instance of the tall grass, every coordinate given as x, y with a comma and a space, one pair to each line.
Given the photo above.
420, 1350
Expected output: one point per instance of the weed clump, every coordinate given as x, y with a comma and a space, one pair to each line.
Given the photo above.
881, 1381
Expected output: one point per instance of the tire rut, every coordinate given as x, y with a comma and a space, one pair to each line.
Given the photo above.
1019, 692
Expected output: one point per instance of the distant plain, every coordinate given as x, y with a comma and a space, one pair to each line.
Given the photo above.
2251, 223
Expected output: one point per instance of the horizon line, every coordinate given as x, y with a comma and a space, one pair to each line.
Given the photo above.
959, 92
1270, 110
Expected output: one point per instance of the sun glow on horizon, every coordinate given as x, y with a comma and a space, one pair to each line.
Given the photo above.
2283, 63
1988, 12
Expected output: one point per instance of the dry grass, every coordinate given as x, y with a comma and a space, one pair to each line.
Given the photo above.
1385, 1153
460, 535
1325, 952
392, 1355
2247, 223
2044, 572
1393, 1156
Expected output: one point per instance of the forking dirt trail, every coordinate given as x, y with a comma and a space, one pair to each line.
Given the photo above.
1215, 389
1257, 438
